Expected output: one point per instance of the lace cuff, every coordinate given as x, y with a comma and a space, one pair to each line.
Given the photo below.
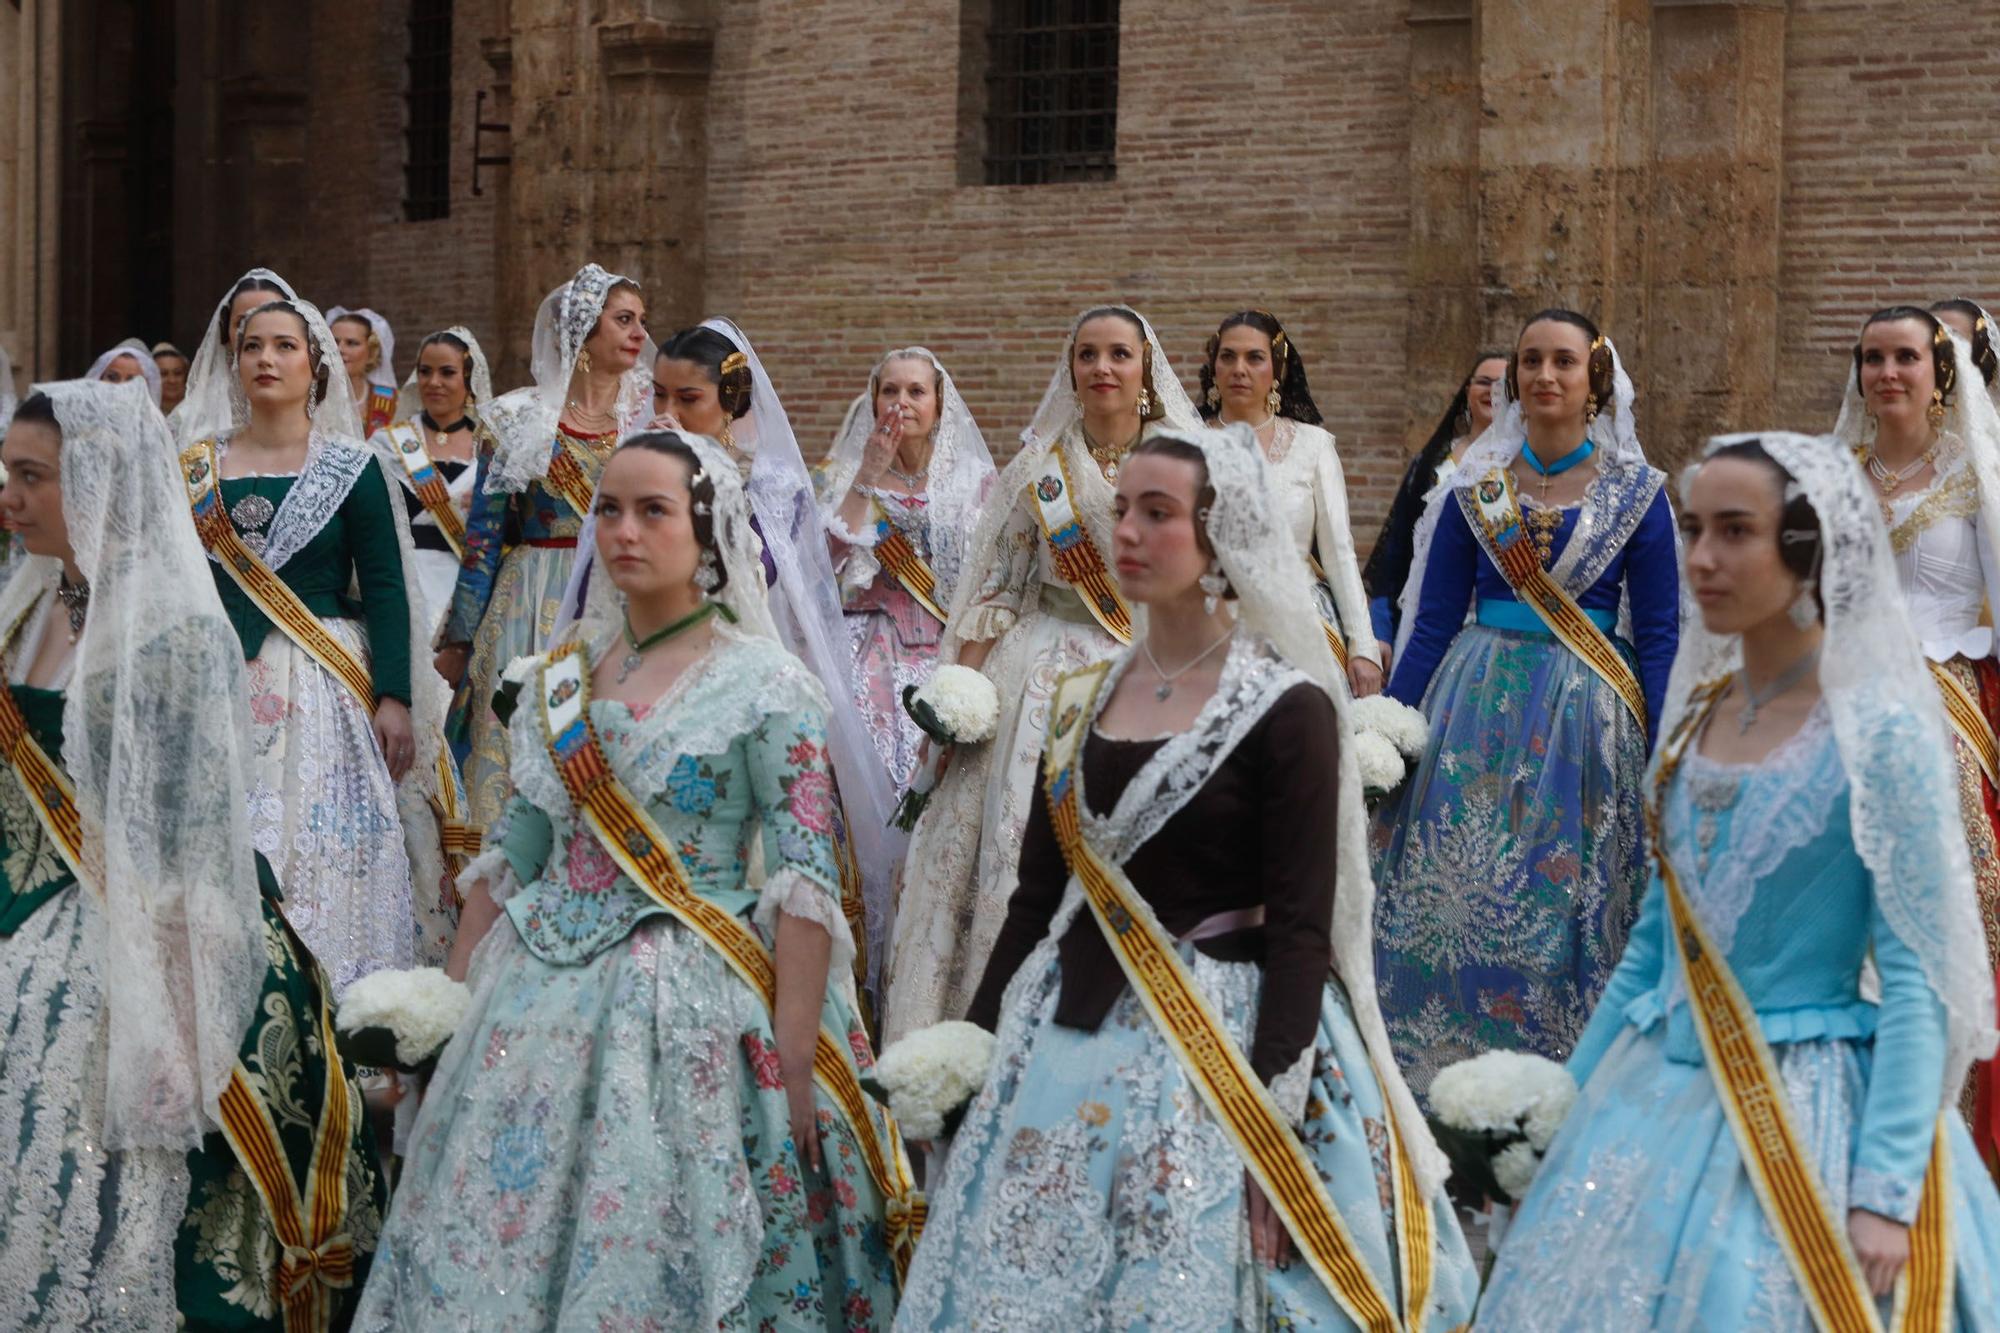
492, 866
858, 569
864, 540
798, 894
983, 623
1290, 1088
1893, 1197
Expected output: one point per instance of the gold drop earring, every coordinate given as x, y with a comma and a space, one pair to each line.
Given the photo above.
583, 362
1273, 399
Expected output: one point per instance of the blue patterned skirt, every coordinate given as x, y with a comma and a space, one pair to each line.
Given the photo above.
1510, 865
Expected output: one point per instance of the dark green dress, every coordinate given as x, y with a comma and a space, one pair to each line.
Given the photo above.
226, 1252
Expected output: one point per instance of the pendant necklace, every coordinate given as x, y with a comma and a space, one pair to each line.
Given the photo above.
75, 599
636, 658
1543, 521
1165, 688
1892, 478
1109, 457
1755, 699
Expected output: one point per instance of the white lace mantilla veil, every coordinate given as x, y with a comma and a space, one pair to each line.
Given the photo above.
1614, 432
523, 421
207, 405
961, 467
1902, 797
479, 387
139, 352
156, 741
1970, 431
384, 374
336, 426
8, 402
805, 603
1274, 601
1058, 417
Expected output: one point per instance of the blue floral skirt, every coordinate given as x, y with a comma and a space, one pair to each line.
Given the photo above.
1646, 1179
608, 1145
1089, 1187
1510, 865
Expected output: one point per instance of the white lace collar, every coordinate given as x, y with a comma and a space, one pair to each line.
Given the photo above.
331, 468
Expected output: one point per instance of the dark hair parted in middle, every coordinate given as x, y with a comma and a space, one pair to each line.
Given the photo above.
322, 372
1154, 409
728, 369
1602, 380
1288, 368
1944, 366
701, 489
446, 338
1799, 537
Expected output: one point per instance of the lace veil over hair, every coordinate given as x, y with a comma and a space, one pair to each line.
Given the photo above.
206, 406
478, 385
1059, 414
961, 468
1890, 730
155, 738
1274, 601
384, 374
1614, 432
524, 420
140, 353
8, 402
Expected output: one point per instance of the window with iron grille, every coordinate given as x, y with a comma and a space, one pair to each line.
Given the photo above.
427, 150
1051, 91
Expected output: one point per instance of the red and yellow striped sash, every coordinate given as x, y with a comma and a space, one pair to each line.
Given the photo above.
1783, 1175
1521, 565
316, 1257
647, 856
573, 473
47, 787
1216, 1065
895, 554
1073, 554
1332, 631
428, 484
272, 595
1968, 722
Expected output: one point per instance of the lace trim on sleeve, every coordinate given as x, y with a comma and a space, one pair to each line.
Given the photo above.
863, 540
493, 867
1291, 1087
798, 894
1893, 1197
983, 623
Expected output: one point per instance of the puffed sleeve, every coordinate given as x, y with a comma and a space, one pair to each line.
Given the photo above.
516, 851
1037, 894
1900, 1112
1441, 604
791, 782
485, 530
1298, 773
1008, 576
1333, 538
376, 549
1653, 581
1638, 971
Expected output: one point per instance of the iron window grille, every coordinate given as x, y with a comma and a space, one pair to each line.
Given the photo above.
1051, 91
427, 150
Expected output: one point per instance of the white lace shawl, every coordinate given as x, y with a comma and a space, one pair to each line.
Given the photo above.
1889, 726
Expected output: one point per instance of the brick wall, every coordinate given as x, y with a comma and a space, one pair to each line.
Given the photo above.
1892, 177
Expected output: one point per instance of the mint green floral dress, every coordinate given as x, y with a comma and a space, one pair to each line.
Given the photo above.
607, 1142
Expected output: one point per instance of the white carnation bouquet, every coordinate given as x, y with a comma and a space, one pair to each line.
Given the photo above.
1495, 1115
929, 1077
956, 706
1389, 736
395, 1019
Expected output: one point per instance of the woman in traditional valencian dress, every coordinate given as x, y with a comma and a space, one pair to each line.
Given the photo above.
432, 449
129, 360
1254, 373
625, 1132
1093, 1182
1969, 320
1806, 819
590, 360
1465, 419
311, 554
368, 352
172, 363
709, 381
1027, 611
1917, 415
901, 490
1511, 862
164, 998
210, 402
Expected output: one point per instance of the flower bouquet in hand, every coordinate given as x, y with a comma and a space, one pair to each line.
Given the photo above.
929, 1077
1389, 736
1495, 1115
400, 1019
956, 706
